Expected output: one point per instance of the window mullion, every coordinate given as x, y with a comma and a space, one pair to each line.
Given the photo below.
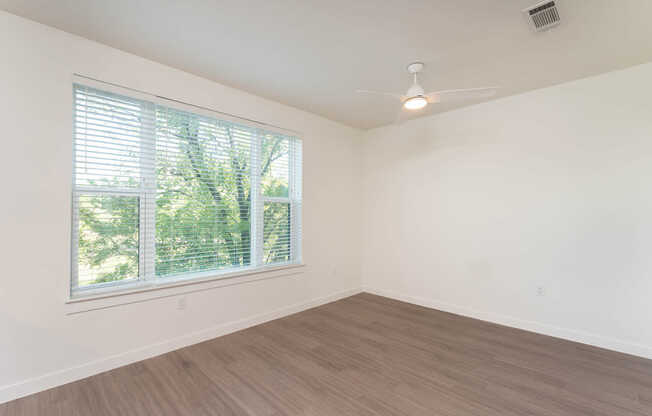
297, 198
292, 197
257, 202
147, 217
74, 243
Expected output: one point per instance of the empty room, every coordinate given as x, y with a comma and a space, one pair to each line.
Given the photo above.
326, 208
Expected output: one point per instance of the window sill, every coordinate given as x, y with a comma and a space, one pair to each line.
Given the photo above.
141, 291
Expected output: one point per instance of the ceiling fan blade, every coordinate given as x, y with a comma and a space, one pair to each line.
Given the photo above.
461, 94
389, 94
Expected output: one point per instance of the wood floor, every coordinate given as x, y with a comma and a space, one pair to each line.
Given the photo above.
365, 355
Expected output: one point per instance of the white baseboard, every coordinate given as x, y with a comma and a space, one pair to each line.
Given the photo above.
532, 326
57, 378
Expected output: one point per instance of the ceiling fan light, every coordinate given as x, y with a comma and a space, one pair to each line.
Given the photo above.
415, 103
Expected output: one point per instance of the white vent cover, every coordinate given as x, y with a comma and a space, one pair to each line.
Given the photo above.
543, 15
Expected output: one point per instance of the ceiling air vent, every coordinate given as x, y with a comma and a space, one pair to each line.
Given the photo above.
543, 15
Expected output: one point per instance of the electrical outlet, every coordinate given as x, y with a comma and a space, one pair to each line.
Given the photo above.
181, 303
540, 291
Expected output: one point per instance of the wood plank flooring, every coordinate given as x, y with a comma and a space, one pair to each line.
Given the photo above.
365, 355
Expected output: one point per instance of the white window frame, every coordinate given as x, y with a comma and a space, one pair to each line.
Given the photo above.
293, 199
146, 192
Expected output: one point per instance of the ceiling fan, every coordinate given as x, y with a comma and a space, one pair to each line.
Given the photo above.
415, 98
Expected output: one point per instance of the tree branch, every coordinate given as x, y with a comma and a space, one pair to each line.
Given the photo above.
243, 202
271, 157
198, 169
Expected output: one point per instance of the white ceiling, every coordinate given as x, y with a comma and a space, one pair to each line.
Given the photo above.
314, 54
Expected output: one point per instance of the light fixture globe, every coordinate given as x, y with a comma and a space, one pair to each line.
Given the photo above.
415, 103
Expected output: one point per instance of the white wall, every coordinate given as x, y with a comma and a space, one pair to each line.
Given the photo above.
471, 210
41, 345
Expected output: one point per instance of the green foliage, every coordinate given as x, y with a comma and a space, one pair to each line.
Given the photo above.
276, 232
274, 168
274, 187
108, 236
203, 206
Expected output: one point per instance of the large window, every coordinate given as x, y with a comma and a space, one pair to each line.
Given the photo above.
162, 193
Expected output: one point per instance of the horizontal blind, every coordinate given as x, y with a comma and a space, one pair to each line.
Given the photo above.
203, 193
112, 133
113, 136
161, 192
279, 196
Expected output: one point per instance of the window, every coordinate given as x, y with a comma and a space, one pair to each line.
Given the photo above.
160, 193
